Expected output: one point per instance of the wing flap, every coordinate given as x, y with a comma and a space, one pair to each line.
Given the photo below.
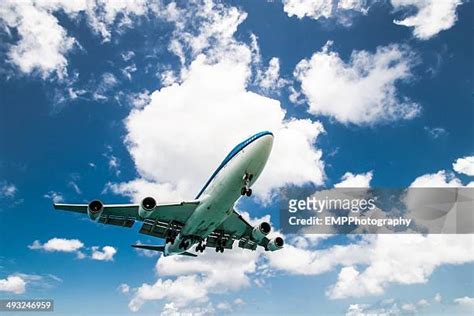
116, 220
235, 227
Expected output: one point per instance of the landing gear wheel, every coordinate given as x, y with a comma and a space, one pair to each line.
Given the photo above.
249, 192
222, 249
217, 249
243, 191
200, 247
250, 177
183, 245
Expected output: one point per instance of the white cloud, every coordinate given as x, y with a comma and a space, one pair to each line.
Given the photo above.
196, 278
56, 197
107, 253
317, 9
464, 165
350, 180
438, 298
43, 43
128, 55
140, 99
187, 283
465, 301
409, 307
75, 187
74, 246
124, 288
107, 82
172, 123
58, 244
269, 79
435, 132
430, 18
402, 259
13, 284
440, 179
7, 190
314, 9
361, 91
202, 27
423, 303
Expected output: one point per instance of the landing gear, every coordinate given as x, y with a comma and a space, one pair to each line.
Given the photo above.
220, 245
184, 244
200, 247
246, 190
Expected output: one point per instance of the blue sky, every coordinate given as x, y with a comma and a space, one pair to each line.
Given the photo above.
118, 102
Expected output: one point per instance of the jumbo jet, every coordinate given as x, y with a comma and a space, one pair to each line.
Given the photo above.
209, 220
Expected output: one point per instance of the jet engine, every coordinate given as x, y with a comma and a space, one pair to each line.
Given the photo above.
275, 244
147, 206
94, 209
261, 231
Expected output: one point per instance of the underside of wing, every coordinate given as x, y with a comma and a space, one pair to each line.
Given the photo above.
235, 227
126, 214
168, 219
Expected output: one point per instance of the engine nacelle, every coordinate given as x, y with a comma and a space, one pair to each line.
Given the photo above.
261, 231
95, 209
147, 206
275, 244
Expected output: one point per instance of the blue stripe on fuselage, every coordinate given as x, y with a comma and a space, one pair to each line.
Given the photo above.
231, 155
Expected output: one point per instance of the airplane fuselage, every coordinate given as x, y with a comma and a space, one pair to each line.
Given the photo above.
240, 169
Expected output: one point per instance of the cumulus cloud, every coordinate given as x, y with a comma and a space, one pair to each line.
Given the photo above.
402, 259
361, 91
177, 112
350, 180
206, 26
440, 179
465, 301
317, 9
58, 244
195, 279
430, 17
464, 165
13, 284
269, 79
43, 43
74, 246
106, 254
173, 124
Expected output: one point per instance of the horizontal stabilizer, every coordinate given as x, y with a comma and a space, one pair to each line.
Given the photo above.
150, 247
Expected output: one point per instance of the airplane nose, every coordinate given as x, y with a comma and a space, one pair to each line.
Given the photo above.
266, 142
264, 146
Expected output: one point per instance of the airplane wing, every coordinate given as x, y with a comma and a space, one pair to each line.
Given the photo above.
126, 214
235, 227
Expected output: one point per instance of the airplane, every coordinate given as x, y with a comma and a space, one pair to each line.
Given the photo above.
209, 220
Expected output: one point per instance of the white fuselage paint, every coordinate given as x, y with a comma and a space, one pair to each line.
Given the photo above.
218, 199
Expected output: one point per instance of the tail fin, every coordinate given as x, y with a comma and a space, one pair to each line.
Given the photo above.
161, 249
150, 247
